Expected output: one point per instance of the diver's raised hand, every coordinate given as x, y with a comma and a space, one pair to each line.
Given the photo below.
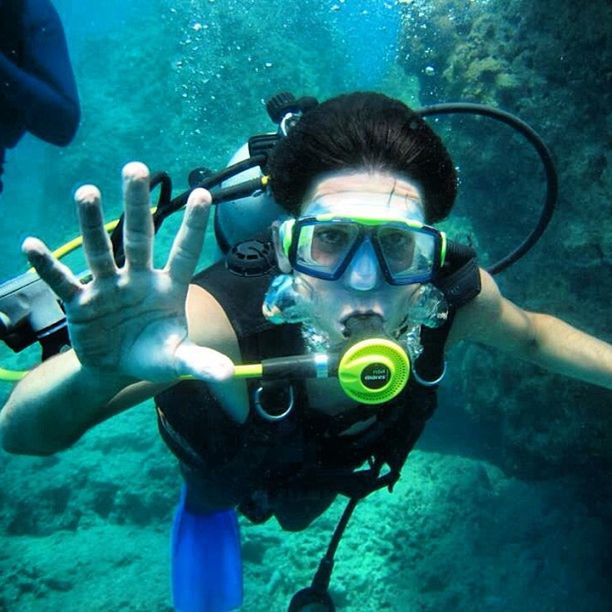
131, 320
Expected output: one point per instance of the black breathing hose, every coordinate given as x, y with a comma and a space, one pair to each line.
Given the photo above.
552, 182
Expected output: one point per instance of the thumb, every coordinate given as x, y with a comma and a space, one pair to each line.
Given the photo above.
202, 363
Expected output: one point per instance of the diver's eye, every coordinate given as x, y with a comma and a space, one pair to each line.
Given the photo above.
332, 239
397, 243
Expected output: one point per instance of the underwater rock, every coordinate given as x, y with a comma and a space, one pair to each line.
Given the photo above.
543, 62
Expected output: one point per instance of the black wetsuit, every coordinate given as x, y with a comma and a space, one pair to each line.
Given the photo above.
295, 467
37, 88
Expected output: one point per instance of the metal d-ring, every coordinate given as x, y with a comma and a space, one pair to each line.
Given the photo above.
429, 383
266, 415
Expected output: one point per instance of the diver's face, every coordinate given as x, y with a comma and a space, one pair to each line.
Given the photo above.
362, 288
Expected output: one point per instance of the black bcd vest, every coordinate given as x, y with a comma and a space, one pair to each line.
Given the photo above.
325, 459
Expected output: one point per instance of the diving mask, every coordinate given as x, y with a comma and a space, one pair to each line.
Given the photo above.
324, 245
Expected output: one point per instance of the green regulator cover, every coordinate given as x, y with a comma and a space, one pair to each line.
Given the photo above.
374, 371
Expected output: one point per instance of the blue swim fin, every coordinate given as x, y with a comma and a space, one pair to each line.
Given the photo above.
206, 563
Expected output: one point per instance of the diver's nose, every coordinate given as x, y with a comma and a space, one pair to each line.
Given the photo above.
363, 273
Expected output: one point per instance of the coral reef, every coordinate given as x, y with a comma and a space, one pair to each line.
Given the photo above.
91, 542
544, 61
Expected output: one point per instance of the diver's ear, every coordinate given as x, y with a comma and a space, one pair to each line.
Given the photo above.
279, 240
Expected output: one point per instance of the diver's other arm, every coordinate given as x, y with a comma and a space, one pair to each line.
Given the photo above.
536, 337
55, 404
126, 325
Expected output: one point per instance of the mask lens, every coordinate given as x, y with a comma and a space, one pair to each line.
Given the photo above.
409, 253
323, 247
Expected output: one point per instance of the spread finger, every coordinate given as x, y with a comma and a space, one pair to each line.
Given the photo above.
58, 276
138, 226
96, 242
187, 245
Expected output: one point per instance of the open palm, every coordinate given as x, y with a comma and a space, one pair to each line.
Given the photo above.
131, 320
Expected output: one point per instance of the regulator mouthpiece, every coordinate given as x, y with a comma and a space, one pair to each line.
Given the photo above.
363, 326
374, 371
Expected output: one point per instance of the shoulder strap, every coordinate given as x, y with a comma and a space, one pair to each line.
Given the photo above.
240, 295
459, 281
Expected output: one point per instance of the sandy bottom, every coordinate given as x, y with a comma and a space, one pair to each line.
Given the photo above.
89, 530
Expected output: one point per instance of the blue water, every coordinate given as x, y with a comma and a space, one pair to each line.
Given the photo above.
506, 504
190, 99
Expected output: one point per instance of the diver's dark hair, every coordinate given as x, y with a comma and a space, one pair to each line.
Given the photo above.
368, 131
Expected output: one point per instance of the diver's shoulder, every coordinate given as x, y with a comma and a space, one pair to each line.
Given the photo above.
479, 313
208, 322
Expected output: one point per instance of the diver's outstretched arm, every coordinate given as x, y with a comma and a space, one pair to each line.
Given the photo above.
539, 338
127, 325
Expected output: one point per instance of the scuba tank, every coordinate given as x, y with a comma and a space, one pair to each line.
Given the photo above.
239, 220
242, 219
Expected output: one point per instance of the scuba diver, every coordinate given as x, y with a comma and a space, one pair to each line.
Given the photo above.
352, 265
38, 92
